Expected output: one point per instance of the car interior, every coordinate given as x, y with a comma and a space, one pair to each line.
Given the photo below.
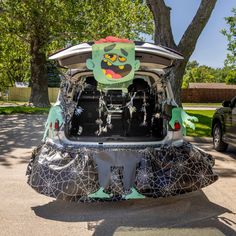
114, 115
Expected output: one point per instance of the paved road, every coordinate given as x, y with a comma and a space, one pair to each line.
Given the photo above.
211, 211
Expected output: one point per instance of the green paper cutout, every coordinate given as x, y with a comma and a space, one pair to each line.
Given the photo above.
99, 194
113, 63
134, 195
179, 115
55, 114
121, 86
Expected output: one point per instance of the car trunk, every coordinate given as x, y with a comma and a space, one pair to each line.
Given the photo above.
118, 116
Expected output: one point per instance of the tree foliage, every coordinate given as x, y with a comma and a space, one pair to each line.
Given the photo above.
123, 18
230, 33
41, 26
37, 24
231, 77
14, 61
195, 73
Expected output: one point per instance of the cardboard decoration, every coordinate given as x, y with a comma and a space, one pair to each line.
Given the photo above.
113, 61
179, 115
54, 116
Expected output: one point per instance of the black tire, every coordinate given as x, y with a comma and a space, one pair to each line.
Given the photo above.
218, 143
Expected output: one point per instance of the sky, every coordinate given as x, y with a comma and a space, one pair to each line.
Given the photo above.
211, 48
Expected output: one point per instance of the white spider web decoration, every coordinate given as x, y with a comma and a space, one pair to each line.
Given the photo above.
73, 175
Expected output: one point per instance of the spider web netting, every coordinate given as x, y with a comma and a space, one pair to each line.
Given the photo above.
75, 174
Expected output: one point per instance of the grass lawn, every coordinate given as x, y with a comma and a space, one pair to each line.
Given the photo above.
203, 127
201, 104
5, 102
23, 109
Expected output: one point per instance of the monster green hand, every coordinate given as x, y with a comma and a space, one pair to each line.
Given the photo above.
179, 115
113, 61
55, 115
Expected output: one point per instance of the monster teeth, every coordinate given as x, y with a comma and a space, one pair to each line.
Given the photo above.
109, 76
109, 63
121, 67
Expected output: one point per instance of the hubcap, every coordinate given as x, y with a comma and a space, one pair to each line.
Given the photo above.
216, 136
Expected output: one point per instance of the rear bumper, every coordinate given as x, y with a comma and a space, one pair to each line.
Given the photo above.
119, 173
172, 137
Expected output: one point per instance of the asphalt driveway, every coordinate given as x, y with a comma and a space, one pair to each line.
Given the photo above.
211, 211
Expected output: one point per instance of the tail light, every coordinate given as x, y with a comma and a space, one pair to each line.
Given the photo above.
56, 125
177, 126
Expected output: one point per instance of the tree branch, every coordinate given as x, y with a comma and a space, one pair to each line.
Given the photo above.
189, 39
163, 31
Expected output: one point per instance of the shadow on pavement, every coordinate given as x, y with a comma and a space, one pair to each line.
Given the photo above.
206, 144
189, 210
19, 131
225, 172
228, 156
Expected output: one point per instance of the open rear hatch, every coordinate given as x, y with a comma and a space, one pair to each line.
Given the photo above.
149, 55
129, 113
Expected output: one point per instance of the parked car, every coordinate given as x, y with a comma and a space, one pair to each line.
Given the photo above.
224, 125
116, 131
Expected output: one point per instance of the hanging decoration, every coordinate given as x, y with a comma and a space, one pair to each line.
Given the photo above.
54, 121
113, 61
103, 111
78, 111
130, 106
185, 120
144, 110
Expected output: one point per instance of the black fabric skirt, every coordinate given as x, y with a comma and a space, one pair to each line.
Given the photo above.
76, 174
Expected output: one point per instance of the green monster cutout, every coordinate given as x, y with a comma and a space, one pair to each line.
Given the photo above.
99, 194
113, 61
55, 115
134, 195
179, 115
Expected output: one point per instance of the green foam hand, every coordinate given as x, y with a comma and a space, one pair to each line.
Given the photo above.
55, 115
185, 120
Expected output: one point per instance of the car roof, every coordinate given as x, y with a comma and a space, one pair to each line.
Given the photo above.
149, 54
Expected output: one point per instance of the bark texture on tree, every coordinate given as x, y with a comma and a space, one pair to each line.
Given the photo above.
39, 80
163, 36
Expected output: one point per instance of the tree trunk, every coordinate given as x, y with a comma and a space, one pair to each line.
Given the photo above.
186, 46
39, 77
176, 79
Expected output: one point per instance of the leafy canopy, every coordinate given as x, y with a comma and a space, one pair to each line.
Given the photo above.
230, 33
14, 61
59, 23
195, 73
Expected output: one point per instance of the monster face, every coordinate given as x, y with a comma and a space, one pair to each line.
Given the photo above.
113, 62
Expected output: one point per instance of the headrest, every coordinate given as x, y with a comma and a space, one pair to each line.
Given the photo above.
90, 83
138, 85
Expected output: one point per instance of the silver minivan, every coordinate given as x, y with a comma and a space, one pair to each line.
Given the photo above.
116, 131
